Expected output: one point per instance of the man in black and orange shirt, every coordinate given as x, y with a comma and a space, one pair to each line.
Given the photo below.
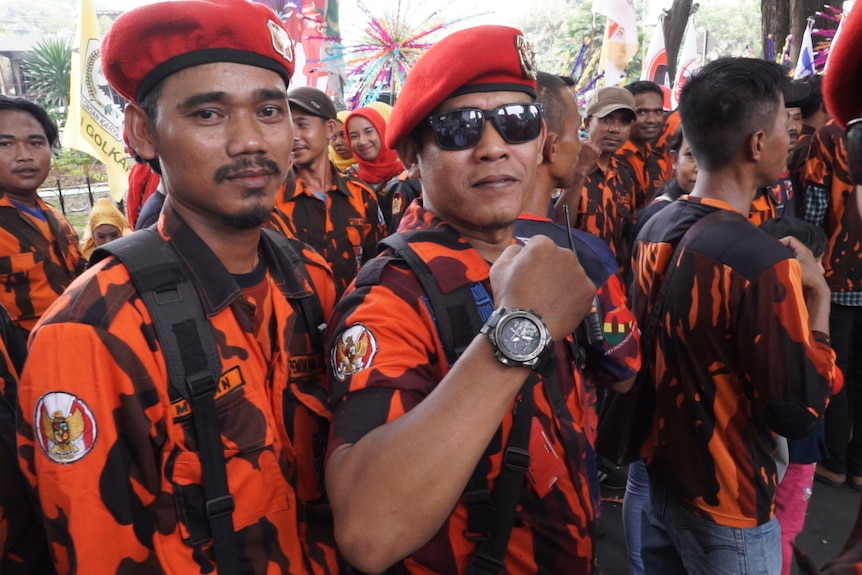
649, 165
832, 202
606, 206
741, 341
411, 431
335, 214
39, 248
108, 442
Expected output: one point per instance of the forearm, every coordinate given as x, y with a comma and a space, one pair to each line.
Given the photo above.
393, 489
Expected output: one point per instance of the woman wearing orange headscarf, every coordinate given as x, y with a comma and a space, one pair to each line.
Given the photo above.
104, 224
365, 129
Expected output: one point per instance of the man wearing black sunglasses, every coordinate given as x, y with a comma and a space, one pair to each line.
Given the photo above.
418, 440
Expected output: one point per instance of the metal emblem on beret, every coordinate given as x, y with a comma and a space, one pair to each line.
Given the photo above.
528, 58
280, 40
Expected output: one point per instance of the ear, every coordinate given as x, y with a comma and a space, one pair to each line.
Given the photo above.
139, 130
549, 150
331, 127
587, 123
754, 145
408, 151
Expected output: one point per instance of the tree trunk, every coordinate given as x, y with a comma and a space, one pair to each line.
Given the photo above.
783, 17
675, 21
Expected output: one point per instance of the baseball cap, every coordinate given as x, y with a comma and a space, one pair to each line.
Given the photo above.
313, 101
609, 99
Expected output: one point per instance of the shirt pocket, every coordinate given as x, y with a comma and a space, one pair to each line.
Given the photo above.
255, 476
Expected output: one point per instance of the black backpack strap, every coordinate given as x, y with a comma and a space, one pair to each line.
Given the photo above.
311, 308
488, 559
456, 314
194, 366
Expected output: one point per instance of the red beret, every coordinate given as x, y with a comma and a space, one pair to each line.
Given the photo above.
148, 44
479, 59
842, 86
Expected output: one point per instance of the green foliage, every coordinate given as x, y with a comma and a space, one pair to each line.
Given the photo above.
48, 67
28, 18
72, 163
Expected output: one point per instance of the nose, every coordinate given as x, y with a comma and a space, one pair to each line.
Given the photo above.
491, 145
246, 135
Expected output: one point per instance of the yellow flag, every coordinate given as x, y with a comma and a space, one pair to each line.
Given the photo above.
94, 124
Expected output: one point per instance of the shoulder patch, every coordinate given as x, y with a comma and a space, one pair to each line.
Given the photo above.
354, 350
64, 427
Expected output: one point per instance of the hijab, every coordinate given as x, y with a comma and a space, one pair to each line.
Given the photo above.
341, 164
386, 165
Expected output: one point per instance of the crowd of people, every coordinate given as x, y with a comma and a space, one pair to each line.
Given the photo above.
383, 339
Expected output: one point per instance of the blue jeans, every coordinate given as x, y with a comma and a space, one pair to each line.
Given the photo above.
637, 494
675, 540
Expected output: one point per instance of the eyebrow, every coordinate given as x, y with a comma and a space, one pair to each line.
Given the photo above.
29, 137
259, 95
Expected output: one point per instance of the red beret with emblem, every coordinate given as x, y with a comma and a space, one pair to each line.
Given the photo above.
479, 59
842, 85
148, 44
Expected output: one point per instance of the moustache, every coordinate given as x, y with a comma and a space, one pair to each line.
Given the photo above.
225, 172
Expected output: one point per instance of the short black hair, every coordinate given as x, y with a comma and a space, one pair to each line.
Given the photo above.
567, 80
35, 110
812, 104
550, 91
725, 102
811, 236
643, 87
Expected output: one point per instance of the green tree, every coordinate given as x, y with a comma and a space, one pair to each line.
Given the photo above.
48, 69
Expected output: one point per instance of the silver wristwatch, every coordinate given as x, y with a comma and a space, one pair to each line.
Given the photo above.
520, 338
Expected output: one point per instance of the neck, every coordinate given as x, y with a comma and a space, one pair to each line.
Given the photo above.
540, 199
604, 160
317, 175
641, 145
237, 249
727, 185
28, 198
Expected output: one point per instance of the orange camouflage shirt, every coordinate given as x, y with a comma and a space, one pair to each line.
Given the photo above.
386, 357
832, 202
344, 229
607, 207
735, 363
778, 200
38, 260
649, 166
110, 446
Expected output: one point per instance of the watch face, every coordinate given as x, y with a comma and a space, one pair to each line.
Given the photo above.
520, 337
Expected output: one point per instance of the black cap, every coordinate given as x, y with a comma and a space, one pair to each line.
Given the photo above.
313, 101
795, 92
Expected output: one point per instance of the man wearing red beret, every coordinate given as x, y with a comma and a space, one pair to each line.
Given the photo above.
137, 472
468, 456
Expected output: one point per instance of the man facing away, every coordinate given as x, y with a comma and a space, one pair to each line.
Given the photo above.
410, 431
116, 451
741, 339
335, 214
39, 248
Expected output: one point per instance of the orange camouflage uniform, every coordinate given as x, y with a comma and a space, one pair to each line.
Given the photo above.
607, 207
649, 166
777, 200
386, 357
832, 202
344, 230
736, 361
110, 446
40, 259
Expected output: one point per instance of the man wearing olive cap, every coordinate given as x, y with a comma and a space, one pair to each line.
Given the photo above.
421, 446
117, 452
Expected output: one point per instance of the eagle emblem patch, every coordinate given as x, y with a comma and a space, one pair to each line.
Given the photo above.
64, 427
353, 351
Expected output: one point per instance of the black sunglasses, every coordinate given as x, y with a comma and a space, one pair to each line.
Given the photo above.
461, 129
854, 149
